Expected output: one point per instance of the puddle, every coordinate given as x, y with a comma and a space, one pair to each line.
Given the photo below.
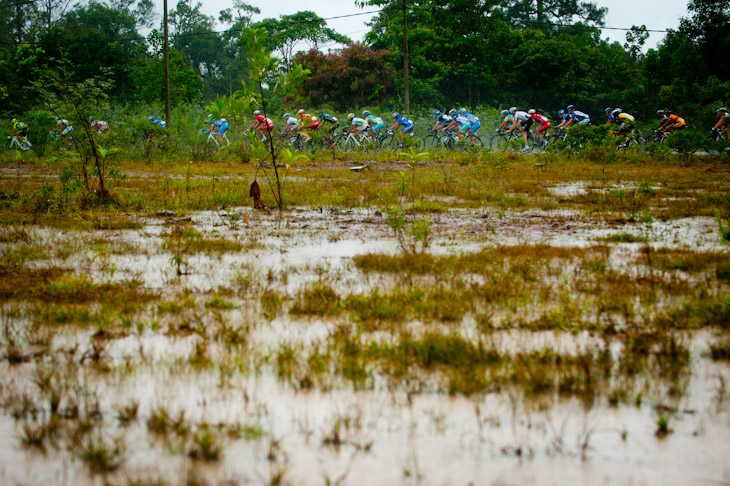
271, 430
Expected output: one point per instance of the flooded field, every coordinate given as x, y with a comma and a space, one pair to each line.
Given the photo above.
495, 331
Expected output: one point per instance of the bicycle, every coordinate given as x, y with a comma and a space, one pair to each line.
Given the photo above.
391, 141
507, 142
663, 136
717, 142
630, 140
349, 142
213, 136
18, 142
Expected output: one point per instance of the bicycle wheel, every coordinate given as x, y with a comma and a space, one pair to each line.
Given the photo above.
345, 144
389, 142
431, 141
413, 141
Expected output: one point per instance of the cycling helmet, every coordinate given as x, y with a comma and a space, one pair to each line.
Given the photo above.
513, 109
436, 112
365, 113
462, 111
452, 112
256, 112
222, 120
532, 111
301, 110
91, 118
570, 108
287, 115
608, 110
561, 112
721, 110
320, 113
150, 118
350, 116
396, 114
505, 113
617, 110
660, 113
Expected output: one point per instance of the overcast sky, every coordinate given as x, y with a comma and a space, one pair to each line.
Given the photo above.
655, 14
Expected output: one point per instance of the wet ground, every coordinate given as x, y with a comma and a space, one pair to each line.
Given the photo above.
271, 431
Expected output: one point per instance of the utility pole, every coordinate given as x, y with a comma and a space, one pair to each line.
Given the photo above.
407, 105
167, 70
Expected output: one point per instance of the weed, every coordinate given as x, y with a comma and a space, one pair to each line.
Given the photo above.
206, 445
100, 454
126, 414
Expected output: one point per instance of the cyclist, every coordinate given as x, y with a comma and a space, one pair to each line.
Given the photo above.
543, 121
563, 117
374, 122
723, 122
330, 120
524, 120
406, 125
459, 123
308, 122
442, 121
101, 126
624, 122
576, 117
291, 125
474, 123
507, 119
155, 121
359, 125
63, 128
262, 125
19, 129
670, 122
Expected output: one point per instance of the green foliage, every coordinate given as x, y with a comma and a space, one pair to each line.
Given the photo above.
355, 76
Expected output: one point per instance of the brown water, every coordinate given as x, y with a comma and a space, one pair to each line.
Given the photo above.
387, 436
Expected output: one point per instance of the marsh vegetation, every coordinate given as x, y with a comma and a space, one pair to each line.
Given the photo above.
474, 316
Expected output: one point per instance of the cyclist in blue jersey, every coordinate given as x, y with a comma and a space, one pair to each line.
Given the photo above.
374, 122
473, 120
576, 117
460, 124
507, 119
442, 121
406, 125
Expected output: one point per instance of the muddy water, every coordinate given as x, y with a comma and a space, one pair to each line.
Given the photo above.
385, 436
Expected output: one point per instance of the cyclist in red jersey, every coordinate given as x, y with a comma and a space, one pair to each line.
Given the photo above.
540, 120
261, 124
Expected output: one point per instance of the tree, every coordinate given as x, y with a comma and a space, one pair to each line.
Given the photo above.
148, 76
93, 37
289, 30
353, 76
549, 15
